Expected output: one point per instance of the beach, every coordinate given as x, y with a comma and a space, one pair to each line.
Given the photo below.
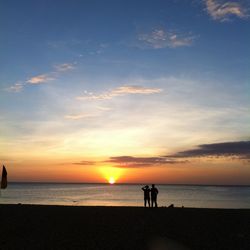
70, 227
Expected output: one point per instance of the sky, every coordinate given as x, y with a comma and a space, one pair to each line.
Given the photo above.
135, 91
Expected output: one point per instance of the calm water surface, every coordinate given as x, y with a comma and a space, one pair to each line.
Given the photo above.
125, 195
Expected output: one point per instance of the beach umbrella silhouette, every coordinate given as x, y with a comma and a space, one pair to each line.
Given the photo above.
4, 178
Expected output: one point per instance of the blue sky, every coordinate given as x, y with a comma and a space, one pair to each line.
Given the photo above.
83, 79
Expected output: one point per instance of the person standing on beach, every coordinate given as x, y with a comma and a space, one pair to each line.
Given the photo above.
154, 193
146, 191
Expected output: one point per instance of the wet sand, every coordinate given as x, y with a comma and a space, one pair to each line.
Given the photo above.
65, 227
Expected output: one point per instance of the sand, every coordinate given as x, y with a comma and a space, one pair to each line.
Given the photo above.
64, 227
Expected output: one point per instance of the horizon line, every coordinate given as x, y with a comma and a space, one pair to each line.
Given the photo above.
123, 183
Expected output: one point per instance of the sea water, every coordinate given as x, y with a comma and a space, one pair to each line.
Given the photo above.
125, 195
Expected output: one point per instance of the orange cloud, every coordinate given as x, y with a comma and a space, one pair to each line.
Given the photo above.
222, 11
40, 79
120, 91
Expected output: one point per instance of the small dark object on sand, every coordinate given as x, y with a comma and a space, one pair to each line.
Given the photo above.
161, 243
171, 206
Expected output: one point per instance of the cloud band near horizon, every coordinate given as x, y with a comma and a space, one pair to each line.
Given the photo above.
239, 149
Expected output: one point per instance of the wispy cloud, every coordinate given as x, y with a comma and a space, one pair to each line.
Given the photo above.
104, 108
64, 67
79, 116
85, 163
137, 162
17, 87
160, 38
40, 79
120, 91
222, 10
134, 162
239, 149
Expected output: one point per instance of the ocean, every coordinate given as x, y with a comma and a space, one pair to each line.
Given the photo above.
125, 195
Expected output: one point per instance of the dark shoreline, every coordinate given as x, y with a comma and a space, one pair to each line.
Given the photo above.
77, 227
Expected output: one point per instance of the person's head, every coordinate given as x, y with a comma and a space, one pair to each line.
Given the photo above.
153, 185
146, 186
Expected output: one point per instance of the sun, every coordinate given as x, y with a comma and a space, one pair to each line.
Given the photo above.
111, 180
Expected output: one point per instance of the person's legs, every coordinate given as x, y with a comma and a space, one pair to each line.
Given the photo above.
145, 202
156, 202
148, 202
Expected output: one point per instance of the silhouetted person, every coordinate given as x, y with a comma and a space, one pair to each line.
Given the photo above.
154, 193
146, 191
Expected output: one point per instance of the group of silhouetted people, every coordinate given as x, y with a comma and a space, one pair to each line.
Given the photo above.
150, 195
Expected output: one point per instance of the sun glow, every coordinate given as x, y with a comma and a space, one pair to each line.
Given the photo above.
111, 180
111, 174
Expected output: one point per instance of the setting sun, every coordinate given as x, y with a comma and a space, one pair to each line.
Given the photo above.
111, 180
